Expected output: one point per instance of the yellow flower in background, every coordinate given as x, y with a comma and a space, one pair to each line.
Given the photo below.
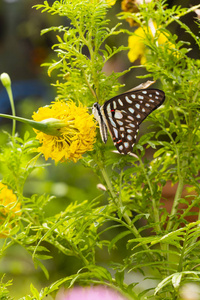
8, 201
74, 139
130, 6
111, 2
137, 47
8, 206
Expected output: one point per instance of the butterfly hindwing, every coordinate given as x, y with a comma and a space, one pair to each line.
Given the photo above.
124, 113
123, 129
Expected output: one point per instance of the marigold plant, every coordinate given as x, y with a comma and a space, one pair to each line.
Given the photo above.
127, 222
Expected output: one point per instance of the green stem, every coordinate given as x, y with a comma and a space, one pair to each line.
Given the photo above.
10, 95
49, 126
125, 216
180, 265
155, 208
23, 120
118, 203
175, 203
115, 198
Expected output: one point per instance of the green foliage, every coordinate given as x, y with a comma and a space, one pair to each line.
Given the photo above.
133, 228
81, 56
3, 289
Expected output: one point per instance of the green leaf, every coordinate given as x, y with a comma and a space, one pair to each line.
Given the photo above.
117, 238
163, 283
176, 280
34, 292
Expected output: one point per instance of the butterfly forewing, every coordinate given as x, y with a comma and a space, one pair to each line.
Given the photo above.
123, 115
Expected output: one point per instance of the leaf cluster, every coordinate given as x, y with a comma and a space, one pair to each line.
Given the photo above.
82, 52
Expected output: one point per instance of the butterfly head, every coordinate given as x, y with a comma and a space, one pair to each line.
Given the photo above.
96, 109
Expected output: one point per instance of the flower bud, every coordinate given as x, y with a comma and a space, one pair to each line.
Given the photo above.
51, 126
5, 79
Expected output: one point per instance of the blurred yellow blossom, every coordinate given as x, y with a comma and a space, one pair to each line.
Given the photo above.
9, 206
74, 139
137, 47
132, 6
111, 2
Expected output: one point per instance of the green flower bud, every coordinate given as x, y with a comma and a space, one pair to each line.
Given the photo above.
5, 79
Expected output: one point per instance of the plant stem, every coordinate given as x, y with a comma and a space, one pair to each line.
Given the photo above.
15, 118
118, 203
115, 198
5, 79
10, 95
175, 203
155, 208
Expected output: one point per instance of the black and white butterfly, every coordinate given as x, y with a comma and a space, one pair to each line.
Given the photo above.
123, 114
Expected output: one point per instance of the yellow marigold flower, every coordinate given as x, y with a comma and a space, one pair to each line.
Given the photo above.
137, 47
74, 139
9, 205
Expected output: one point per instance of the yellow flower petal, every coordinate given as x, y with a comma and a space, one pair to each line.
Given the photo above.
9, 206
75, 139
111, 2
137, 47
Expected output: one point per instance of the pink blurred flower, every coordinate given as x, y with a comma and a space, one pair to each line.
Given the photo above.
89, 293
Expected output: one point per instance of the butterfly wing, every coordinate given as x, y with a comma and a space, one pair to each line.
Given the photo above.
124, 113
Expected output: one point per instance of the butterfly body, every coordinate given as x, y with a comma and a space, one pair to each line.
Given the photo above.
123, 114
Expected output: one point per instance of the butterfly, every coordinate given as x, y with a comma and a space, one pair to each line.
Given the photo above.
123, 114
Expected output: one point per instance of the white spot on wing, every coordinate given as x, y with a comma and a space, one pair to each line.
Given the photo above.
133, 96
115, 132
120, 102
112, 122
126, 144
119, 122
121, 147
131, 118
109, 110
129, 130
131, 110
138, 116
129, 137
144, 92
118, 114
128, 100
137, 105
114, 105
147, 104
140, 97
